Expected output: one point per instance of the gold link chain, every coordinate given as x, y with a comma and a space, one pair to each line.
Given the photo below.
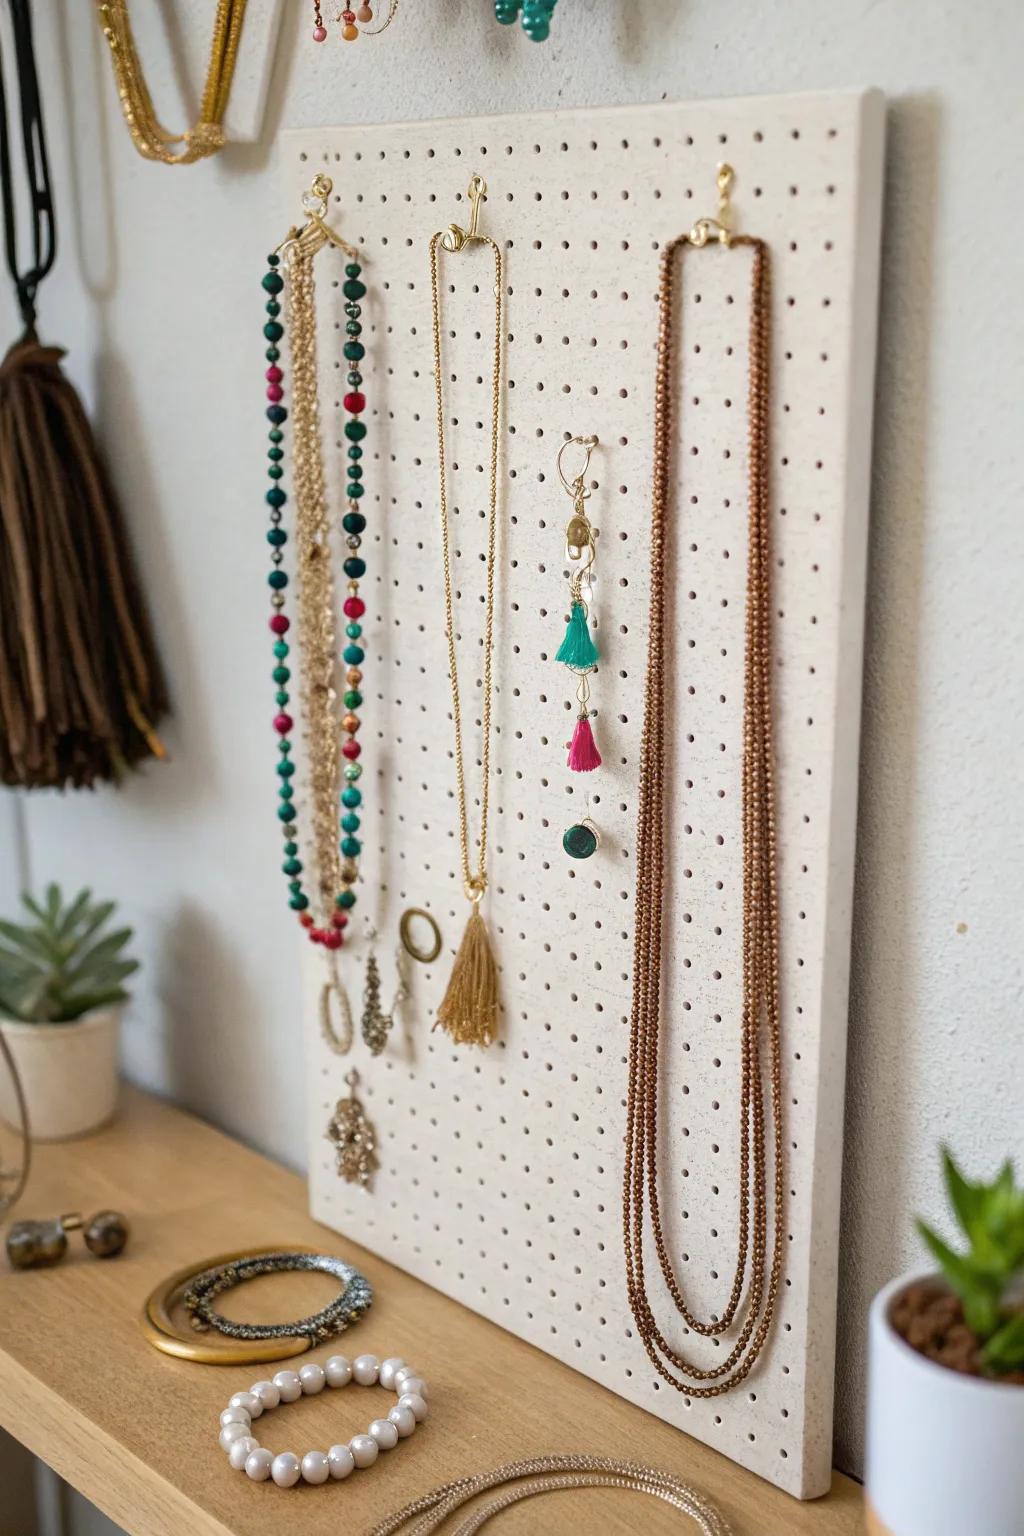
315, 608
151, 139
474, 880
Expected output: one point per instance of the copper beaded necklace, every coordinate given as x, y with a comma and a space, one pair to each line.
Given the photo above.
756, 1273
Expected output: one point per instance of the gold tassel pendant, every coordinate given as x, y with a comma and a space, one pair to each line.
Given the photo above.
469, 1009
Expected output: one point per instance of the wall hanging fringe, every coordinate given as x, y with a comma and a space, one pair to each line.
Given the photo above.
81, 688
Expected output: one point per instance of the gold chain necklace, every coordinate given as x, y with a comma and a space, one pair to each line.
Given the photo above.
760, 1012
548, 1474
151, 139
469, 1009
316, 613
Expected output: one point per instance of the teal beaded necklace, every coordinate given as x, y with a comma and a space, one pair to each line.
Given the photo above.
316, 588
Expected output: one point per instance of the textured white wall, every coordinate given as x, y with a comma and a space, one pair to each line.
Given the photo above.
157, 297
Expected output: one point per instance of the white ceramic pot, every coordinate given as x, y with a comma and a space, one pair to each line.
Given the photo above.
945, 1452
68, 1073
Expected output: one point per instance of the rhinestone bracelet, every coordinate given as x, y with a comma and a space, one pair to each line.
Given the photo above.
355, 1298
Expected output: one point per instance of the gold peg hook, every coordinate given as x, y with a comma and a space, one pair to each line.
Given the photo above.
724, 178
316, 232
455, 237
720, 228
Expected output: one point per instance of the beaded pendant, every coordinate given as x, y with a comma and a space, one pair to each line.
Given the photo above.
329, 933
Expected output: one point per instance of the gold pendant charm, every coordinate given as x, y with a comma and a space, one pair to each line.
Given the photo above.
355, 1141
376, 1024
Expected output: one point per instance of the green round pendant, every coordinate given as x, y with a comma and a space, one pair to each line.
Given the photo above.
580, 841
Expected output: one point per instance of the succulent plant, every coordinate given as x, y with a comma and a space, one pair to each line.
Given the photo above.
65, 962
989, 1277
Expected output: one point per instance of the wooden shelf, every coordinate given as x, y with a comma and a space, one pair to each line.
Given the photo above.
136, 1432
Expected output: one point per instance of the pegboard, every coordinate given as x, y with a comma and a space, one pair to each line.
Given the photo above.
500, 1178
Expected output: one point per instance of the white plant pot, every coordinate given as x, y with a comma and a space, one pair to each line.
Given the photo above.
68, 1073
945, 1451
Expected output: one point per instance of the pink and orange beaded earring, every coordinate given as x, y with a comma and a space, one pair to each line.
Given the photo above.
349, 18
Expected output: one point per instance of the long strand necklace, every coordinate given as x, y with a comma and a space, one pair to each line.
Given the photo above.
469, 1009
546, 1474
150, 138
335, 849
760, 1010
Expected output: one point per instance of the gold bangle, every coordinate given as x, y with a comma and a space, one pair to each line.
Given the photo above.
161, 1332
423, 956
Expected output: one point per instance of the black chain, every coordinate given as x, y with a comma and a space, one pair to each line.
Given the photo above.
37, 169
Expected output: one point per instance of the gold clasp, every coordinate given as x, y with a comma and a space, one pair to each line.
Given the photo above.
316, 232
719, 228
455, 237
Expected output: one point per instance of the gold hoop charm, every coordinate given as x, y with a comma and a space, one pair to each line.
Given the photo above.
424, 956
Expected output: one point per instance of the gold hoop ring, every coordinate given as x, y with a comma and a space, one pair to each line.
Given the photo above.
160, 1331
422, 955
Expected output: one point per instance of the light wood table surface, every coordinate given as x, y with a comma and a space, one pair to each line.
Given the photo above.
136, 1431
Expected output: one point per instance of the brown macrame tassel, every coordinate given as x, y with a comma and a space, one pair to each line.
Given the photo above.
80, 685
469, 1009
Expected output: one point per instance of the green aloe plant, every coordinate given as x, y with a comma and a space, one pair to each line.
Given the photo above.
64, 962
989, 1276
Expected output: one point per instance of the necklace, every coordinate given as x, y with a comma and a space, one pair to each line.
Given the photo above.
336, 868
547, 1474
469, 1009
152, 140
760, 1011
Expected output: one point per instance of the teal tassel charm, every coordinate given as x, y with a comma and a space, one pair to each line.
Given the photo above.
578, 650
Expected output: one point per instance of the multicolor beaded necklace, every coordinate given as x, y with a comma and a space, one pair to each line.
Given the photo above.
335, 877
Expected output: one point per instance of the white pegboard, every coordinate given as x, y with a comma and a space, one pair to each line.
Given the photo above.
501, 1169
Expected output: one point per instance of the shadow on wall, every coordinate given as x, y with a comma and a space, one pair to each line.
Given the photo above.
879, 1050
203, 994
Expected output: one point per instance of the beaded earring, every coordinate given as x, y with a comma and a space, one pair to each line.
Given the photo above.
351, 1133
376, 1024
578, 651
348, 18
537, 16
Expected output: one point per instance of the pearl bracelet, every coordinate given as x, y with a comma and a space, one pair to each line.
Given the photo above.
246, 1454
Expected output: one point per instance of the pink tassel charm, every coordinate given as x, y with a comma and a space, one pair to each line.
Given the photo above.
583, 754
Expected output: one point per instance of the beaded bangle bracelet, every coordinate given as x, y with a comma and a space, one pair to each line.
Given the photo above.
355, 1298
246, 1454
